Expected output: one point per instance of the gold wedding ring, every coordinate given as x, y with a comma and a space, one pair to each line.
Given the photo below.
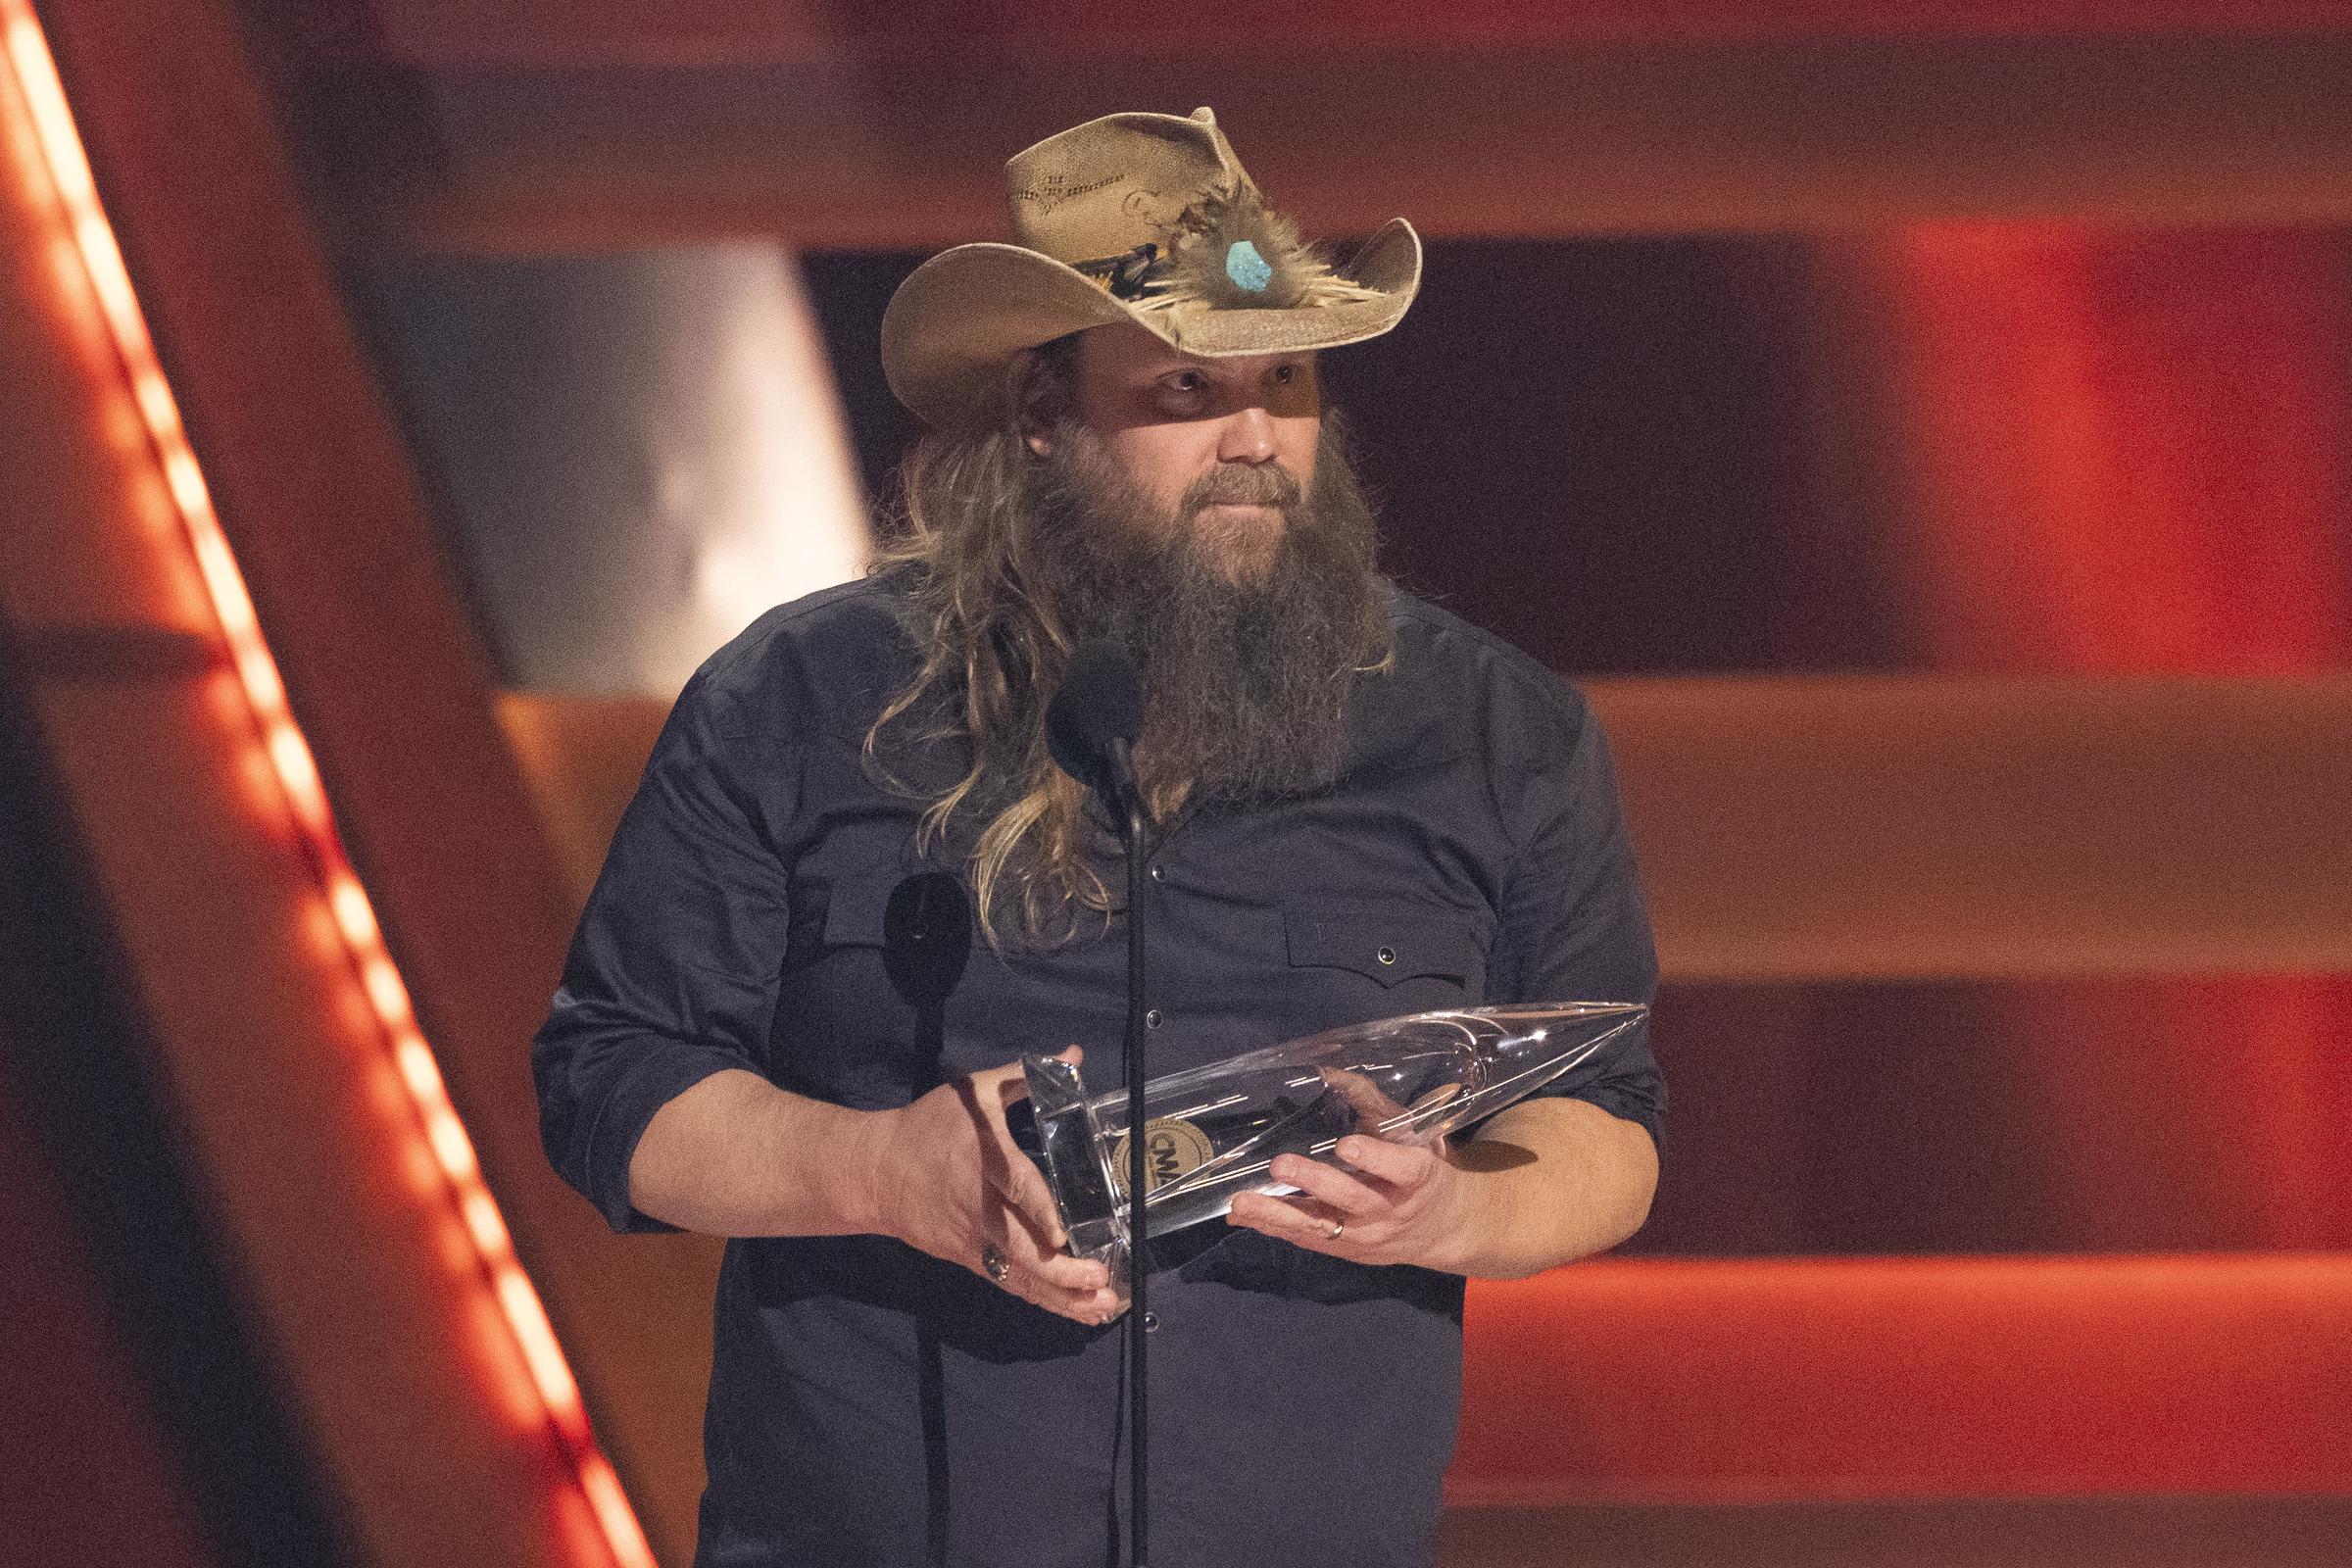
1338, 1228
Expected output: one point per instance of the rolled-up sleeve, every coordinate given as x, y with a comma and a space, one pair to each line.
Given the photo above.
1574, 923
672, 973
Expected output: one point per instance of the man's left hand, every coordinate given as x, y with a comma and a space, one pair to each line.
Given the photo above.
1400, 1204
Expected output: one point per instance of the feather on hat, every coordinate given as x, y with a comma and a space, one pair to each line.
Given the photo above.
1229, 252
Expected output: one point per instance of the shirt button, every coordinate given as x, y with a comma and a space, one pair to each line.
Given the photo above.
1151, 1322
1387, 955
1159, 874
1151, 1019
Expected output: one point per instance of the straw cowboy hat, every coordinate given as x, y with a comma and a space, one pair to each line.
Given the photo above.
1146, 219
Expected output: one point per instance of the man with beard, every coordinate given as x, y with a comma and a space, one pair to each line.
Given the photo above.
1361, 808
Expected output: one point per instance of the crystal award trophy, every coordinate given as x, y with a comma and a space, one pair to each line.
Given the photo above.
1212, 1132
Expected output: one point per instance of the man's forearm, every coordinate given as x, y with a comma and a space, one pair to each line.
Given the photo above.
735, 1155
1552, 1180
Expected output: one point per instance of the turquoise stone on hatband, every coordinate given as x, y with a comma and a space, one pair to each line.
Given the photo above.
1248, 269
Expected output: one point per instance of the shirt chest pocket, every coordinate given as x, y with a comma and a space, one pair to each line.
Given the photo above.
1389, 960
857, 1022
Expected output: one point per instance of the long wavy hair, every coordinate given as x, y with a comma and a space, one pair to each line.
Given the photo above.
992, 645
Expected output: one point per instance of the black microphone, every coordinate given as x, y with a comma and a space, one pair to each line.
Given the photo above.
926, 938
1092, 726
1094, 721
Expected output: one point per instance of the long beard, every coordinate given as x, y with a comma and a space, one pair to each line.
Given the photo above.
1247, 668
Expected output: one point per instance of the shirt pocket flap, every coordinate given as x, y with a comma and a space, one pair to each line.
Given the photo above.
854, 913
1390, 947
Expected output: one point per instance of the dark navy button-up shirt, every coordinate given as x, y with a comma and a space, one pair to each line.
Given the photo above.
870, 1405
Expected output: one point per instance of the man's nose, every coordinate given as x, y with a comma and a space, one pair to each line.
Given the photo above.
1248, 436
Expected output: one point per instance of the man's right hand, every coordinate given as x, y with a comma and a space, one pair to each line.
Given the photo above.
950, 1181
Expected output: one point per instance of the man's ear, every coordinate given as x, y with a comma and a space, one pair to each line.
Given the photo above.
1037, 399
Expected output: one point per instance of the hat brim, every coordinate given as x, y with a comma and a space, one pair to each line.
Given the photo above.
961, 316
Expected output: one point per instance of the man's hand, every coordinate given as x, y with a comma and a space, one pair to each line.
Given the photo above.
1401, 1204
1545, 1182
950, 1181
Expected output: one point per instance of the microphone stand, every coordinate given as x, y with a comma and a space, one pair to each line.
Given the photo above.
1131, 800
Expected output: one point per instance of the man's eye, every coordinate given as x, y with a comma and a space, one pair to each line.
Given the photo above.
1185, 382
1285, 375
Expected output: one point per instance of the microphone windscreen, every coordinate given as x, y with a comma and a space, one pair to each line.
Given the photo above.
1100, 701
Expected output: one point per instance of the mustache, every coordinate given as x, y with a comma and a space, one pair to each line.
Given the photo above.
1240, 484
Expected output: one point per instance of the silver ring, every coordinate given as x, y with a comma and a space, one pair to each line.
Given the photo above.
1339, 1227
994, 1265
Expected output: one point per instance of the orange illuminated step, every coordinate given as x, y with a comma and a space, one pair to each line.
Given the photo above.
1881, 828
1627, 119
1737, 1381
1939, 827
